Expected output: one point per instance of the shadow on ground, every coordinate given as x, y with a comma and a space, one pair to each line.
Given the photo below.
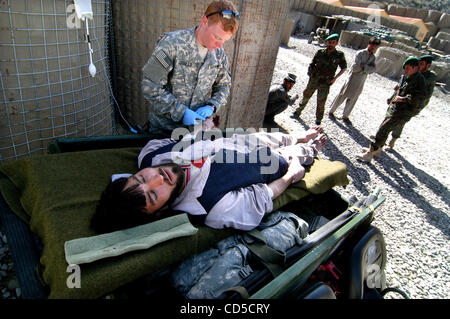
395, 174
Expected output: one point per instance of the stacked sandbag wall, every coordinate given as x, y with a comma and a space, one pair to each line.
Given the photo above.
432, 30
440, 42
353, 39
362, 3
442, 70
306, 6
433, 16
325, 9
306, 23
444, 21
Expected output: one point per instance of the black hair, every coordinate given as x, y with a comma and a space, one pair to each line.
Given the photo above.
375, 41
121, 208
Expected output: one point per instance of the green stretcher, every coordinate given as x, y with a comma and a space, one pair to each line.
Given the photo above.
54, 197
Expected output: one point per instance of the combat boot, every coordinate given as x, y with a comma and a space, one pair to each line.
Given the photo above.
391, 144
367, 156
375, 154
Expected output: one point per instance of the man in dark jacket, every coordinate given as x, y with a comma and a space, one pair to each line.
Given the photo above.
404, 105
279, 98
430, 81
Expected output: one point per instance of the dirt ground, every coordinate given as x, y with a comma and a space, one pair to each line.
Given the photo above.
414, 177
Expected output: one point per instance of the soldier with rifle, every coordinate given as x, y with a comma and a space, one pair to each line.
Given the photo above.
430, 81
409, 97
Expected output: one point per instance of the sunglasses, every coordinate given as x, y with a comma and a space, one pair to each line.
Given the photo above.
226, 14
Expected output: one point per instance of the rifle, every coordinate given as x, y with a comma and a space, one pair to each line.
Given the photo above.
392, 98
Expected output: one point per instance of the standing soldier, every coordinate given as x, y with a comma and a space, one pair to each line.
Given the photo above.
188, 78
352, 88
430, 81
402, 107
279, 98
321, 73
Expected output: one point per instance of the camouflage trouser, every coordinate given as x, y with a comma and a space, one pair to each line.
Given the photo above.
323, 88
395, 120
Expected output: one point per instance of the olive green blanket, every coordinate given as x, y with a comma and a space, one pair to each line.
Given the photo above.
56, 195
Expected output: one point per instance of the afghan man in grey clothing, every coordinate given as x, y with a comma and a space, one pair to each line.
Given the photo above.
352, 88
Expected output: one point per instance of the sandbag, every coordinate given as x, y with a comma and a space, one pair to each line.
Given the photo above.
434, 43
364, 41
443, 35
441, 69
432, 30
287, 31
346, 38
385, 67
444, 21
306, 23
401, 11
411, 12
356, 41
447, 47
396, 58
433, 16
392, 9
421, 14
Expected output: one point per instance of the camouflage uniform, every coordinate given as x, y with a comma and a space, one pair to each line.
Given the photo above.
430, 81
176, 77
321, 71
208, 274
399, 113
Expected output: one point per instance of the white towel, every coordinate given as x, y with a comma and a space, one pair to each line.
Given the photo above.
89, 249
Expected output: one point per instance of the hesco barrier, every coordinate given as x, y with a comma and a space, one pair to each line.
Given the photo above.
390, 61
46, 90
444, 21
325, 9
355, 40
442, 70
252, 52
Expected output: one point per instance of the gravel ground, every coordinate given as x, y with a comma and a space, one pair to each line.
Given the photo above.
414, 177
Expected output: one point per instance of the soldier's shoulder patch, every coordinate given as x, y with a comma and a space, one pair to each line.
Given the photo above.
162, 57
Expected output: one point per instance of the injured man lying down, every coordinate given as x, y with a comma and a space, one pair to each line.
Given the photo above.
227, 182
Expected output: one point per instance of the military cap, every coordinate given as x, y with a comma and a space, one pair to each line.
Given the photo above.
333, 36
427, 58
291, 78
411, 60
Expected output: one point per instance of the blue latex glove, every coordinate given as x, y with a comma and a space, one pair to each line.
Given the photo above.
205, 111
190, 117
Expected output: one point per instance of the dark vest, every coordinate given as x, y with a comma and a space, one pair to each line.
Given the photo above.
231, 170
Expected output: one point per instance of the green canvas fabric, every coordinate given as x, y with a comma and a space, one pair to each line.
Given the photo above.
57, 194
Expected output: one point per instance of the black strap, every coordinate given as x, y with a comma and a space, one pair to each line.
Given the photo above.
271, 258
